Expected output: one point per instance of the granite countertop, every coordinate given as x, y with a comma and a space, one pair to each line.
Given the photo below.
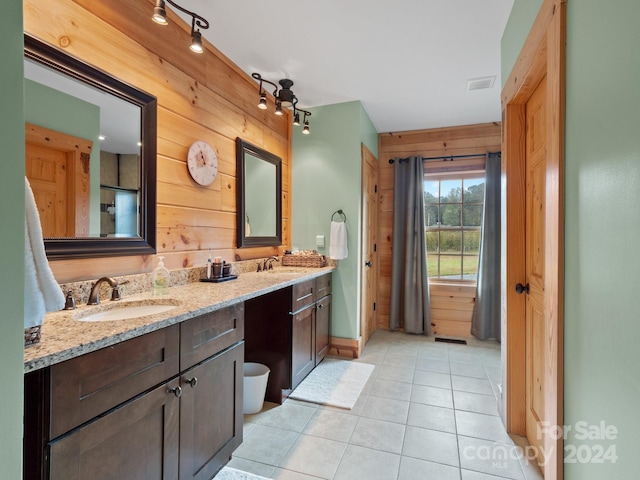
64, 337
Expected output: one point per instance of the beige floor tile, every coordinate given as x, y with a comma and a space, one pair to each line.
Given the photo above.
331, 425
493, 458
433, 379
440, 397
252, 467
378, 435
266, 445
431, 445
478, 425
391, 389
432, 365
432, 417
475, 402
386, 409
282, 474
470, 384
399, 361
414, 469
314, 456
468, 369
399, 374
364, 463
288, 416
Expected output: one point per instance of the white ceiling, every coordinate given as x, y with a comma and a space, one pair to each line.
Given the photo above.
407, 61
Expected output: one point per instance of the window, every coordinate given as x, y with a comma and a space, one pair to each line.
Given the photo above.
453, 220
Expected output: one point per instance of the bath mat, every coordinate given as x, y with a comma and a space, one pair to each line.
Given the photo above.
334, 382
228, 473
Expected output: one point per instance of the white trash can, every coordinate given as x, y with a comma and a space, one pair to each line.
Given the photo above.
255, 387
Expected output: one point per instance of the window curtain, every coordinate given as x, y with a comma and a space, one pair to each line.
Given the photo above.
409, 280
485, 322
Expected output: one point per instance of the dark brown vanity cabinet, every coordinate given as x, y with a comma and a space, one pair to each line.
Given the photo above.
288, 330
303, 334
164, 405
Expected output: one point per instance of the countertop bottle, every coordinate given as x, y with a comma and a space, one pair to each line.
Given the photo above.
160, 279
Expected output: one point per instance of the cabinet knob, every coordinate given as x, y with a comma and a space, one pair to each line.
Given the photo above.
177, 391
192, 381
320, 306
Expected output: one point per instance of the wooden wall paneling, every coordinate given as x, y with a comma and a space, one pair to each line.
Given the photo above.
199, 97
171, 43
447, 314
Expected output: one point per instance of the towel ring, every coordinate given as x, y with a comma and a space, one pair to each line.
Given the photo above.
339, 212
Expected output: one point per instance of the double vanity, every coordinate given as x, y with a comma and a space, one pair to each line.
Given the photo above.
112, 394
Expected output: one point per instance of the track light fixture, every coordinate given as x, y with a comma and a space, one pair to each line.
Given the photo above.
160, 17
284, 97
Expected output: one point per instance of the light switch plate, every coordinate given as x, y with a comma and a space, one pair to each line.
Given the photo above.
320, 241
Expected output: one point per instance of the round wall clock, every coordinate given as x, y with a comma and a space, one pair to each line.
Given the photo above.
202, 163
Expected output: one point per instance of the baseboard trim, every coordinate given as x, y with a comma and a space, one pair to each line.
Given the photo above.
346, 347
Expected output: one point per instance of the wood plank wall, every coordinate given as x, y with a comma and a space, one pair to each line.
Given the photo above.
452, 306
200, 97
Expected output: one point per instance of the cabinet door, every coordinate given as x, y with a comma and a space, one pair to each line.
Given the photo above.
211, 414
323, 327
303, 346
137, 440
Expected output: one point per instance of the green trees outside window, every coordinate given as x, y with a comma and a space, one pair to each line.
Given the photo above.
453, 219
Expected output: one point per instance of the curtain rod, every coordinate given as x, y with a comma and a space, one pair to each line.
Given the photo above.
446, 158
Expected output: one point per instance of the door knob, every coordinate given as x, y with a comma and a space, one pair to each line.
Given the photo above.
192, 381
522, 288
177, 391
368, 264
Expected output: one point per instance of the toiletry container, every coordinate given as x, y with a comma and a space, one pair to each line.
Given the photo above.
160, 279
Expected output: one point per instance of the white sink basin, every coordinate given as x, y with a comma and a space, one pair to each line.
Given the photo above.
124, 311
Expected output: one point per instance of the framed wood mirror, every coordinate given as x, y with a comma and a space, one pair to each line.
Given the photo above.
90, 156
259, 196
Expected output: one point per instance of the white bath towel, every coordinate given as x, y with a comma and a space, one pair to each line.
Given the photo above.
41, 291
338, 241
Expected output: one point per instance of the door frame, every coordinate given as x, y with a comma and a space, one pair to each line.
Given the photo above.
542, 54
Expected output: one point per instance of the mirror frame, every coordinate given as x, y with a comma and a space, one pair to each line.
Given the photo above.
242, 148
91, 247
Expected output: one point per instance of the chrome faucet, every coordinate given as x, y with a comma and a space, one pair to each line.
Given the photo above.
94, 295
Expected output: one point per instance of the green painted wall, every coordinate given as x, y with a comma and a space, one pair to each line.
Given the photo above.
11, 237
602, 228
326, 176
521, 19
43, 106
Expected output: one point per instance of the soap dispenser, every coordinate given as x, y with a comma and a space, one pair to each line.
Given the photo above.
160, 279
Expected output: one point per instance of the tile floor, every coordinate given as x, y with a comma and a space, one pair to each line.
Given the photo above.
427, 412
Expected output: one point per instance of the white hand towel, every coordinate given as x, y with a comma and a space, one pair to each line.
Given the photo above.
338, 241
41, 291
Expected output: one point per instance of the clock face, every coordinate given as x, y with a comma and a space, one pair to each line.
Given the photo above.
202, 163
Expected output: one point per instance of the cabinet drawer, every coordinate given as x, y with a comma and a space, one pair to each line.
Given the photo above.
209, 334
87, 386
323, 286
302, 295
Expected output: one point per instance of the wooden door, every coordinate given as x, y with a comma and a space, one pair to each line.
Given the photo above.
46, 168
370, 267
535, 225
211, 414
533, 174
138, 440
57, 166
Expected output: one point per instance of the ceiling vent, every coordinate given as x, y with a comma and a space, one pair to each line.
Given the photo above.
480, 83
